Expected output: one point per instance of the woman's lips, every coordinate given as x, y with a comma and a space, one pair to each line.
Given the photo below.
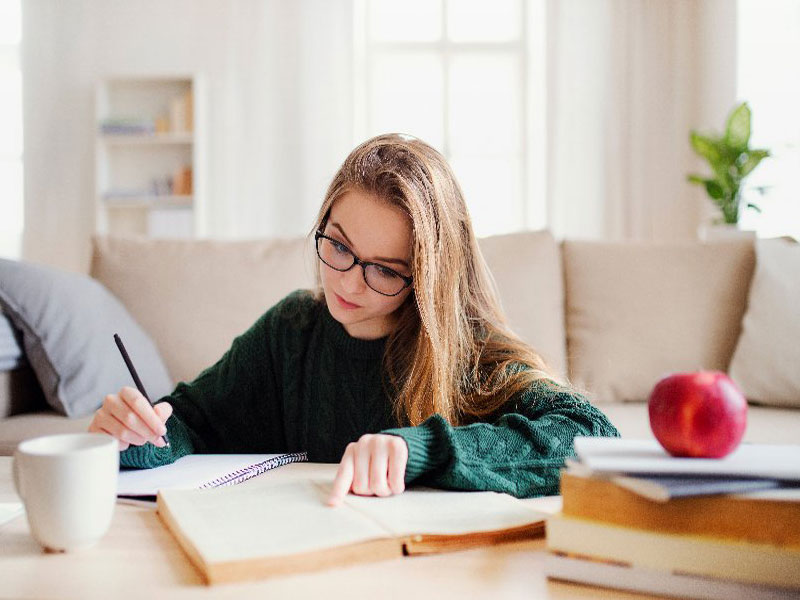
344, 303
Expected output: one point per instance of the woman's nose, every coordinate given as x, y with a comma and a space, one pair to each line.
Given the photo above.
353, 279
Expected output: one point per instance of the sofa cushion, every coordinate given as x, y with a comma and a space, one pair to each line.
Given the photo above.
527, 270
68, 321
11, 354
766, 363
195, 296
636, 312
15, 429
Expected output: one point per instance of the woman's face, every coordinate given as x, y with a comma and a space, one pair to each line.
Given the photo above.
375, 231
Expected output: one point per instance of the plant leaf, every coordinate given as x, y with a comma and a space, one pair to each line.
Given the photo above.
705, 146
714, 189
753, 158
737, 130
754, 207
696, 179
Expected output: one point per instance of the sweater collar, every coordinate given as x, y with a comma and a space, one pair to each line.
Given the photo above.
347, 344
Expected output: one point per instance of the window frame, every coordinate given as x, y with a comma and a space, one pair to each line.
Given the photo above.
529, 50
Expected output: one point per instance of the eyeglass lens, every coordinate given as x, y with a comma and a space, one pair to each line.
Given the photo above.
338, 256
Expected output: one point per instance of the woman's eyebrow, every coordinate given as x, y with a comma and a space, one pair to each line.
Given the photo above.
377, 258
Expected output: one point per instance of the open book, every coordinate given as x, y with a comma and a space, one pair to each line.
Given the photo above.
254, 531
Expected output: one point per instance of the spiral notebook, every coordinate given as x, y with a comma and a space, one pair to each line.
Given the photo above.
200, 471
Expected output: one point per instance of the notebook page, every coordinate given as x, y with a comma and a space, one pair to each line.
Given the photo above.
10, 511
243, 522
436, 512
190, 471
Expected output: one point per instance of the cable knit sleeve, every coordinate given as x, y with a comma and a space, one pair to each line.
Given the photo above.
520, 453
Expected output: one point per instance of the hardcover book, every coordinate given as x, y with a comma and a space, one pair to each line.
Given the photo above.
254, 531
766, 517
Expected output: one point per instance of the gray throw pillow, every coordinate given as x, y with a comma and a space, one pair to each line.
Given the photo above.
11, 354
68, 322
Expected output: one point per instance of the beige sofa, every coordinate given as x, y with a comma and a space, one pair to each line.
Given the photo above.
614, 317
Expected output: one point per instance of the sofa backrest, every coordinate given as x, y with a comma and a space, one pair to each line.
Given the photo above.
613, 317
194, 297
528, 273
638, 311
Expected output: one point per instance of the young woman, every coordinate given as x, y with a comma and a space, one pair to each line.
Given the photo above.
400, 366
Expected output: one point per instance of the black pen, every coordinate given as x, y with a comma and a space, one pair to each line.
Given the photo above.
134, 374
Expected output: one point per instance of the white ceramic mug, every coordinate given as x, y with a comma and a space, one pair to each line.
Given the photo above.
68, 484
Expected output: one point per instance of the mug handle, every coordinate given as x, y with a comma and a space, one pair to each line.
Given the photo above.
16, 474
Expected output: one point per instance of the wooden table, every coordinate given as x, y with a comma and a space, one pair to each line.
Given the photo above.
138, 558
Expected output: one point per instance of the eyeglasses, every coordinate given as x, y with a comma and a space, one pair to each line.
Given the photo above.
379, 278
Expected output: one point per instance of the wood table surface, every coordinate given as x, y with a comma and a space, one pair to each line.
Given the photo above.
139, 558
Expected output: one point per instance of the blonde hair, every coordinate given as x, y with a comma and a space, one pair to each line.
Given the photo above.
451, 352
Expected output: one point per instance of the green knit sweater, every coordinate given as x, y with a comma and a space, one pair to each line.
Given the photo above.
296, 381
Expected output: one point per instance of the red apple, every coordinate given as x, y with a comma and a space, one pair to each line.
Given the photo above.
701, 414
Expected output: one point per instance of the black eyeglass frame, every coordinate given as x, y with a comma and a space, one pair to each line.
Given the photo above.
364, 264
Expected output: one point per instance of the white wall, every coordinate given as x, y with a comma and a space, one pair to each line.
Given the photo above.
279, 84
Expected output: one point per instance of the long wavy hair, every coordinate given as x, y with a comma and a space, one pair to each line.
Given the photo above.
452, 352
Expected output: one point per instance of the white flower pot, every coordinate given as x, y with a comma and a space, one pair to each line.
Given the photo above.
723, 232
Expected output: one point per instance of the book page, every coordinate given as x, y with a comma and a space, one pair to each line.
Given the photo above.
187, 472
244, 522
437, 512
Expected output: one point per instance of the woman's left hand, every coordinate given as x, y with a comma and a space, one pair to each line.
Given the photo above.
375, 465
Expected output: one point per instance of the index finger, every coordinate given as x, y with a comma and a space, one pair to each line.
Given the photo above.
343, 481
143, 409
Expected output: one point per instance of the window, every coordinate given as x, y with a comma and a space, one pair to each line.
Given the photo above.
768, 53
467, 77
11, 200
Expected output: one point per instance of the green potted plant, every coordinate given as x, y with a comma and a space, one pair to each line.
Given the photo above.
731, 160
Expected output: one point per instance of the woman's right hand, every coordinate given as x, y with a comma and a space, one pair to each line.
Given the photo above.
131, 419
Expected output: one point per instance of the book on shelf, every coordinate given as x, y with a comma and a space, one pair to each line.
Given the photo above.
127, 126
182, 181
298, 532
181, 112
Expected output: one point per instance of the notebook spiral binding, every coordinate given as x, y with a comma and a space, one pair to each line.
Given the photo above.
254, 470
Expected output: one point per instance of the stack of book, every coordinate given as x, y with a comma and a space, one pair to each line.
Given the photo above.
635, 518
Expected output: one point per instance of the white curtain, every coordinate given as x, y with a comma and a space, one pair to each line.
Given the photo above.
627, 80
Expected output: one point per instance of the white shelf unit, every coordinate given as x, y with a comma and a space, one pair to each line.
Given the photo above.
148, 130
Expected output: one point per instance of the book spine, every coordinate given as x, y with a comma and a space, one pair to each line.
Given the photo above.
254, 470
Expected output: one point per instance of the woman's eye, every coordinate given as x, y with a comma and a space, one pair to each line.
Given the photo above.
340, 248
386, 272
